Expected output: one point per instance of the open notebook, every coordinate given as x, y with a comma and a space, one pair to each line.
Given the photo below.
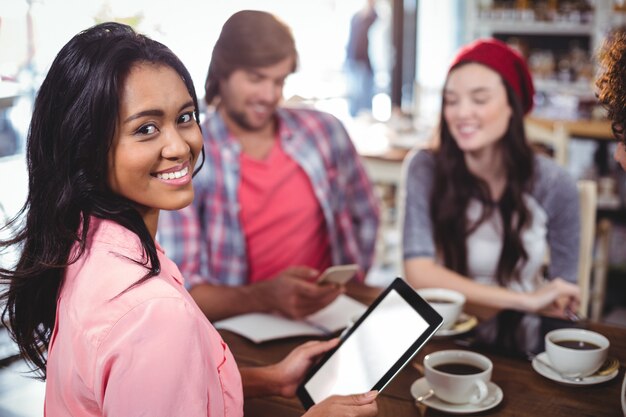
261, 327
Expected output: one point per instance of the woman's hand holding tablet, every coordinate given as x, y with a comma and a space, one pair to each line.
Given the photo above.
375, 349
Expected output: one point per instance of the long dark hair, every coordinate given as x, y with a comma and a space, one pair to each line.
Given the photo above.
454, 187
69, 138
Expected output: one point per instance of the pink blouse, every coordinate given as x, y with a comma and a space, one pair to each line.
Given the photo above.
147, 352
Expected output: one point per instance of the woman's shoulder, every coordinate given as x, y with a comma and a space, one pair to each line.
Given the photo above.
102, 289
552, 184
104, 276
109, 271
547, 173
420, 161
420, 156
108, 234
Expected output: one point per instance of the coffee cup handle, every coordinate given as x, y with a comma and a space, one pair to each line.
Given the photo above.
481, 392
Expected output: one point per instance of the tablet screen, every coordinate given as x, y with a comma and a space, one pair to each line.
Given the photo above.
377, 347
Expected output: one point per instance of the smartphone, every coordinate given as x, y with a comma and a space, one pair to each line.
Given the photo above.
338, 274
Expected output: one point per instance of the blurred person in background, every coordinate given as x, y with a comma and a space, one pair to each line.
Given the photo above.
482, 210
359, 73
283, 195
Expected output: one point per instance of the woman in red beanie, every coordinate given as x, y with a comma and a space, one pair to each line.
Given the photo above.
482, 210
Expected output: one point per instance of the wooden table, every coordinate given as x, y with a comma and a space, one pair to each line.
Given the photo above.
386, 167
526, 393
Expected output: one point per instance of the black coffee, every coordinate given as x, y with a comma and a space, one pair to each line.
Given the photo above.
577, 344
439, 301
458, 368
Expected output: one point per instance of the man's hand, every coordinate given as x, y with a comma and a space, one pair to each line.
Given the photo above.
293, 293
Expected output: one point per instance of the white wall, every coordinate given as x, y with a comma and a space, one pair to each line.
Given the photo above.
437, 41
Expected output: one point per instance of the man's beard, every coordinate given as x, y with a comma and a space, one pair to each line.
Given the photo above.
241, 120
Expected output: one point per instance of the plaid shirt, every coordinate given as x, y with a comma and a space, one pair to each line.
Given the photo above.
206, 239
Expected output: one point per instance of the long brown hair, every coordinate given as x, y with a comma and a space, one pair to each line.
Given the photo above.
454, 187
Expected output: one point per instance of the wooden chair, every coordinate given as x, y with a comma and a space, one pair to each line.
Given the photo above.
587, 193
554, 142
600, 269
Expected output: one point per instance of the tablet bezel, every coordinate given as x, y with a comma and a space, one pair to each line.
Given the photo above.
432, 318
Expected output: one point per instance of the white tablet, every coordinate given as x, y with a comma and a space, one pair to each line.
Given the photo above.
375, 348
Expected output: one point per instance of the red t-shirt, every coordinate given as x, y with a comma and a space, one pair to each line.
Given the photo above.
281, 218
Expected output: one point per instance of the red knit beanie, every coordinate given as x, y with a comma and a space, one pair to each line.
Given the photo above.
505, 61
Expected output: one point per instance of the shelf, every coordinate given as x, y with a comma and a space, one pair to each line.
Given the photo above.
485, 18
517, 27
580, 89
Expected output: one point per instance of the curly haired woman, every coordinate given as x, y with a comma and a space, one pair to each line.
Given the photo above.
611, 84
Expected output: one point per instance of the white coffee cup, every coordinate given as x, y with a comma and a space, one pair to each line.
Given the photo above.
450, 310
571, 360
444, 372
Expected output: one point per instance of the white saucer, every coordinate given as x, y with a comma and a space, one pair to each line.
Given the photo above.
494, 397
464, 324
550, 374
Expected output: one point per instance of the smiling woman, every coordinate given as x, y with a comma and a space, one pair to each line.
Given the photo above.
93, 302
154, 147
482, 210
